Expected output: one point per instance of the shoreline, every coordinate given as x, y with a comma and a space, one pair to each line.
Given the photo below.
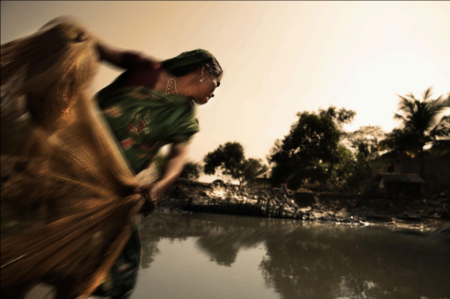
434, 226
425, 215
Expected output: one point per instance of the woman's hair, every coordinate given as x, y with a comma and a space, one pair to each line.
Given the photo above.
212, 67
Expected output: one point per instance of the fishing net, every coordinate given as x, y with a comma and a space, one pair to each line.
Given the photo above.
67, 194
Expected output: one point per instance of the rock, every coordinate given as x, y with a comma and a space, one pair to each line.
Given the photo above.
379, 218
341, 215
304, 210
316, 215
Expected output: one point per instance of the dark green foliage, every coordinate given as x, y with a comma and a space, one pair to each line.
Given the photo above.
310, 151
370, 135
229, 160
401, 141
421, 125
318, 152
360, 170
339, 117
191, 171
440, 147
253, 168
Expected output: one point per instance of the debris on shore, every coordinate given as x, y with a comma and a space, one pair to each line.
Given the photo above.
341, 208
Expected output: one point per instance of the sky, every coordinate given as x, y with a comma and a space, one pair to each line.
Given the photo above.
279, 58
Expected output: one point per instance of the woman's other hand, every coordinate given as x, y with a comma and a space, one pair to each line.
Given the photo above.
126, 59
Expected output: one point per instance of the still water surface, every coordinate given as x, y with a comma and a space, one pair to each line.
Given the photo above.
220, 256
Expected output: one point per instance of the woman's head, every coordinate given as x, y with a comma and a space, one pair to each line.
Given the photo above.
199, 72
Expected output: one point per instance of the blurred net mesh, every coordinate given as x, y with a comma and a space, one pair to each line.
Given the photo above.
67, 199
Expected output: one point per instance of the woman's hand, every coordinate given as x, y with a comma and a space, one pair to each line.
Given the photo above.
174, 165
151, 192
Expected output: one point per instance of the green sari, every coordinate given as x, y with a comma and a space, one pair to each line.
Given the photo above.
144, 120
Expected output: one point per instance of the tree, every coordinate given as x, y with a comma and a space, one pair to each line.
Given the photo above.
360, 170
369, 135
253, 168
339, 117
400, 141
229, 160
191, 171
422, 125
310, 151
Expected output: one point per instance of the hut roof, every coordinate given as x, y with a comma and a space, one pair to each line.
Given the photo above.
265, 175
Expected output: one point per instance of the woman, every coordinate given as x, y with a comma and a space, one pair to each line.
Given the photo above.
148, 106
151, 105
68, 184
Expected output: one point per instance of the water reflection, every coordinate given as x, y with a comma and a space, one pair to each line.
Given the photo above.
310, 260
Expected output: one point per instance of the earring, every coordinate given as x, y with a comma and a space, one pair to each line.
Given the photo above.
200, 79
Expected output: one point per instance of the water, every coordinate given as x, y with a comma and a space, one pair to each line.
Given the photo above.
220, 256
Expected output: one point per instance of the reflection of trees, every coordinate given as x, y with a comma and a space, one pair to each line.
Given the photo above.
313, 260
325, 262
229, 234
149, 251
219, 237
159, 226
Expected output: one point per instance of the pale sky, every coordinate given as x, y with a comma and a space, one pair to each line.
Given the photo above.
279, 57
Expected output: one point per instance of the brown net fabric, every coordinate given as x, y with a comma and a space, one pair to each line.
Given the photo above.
67, 199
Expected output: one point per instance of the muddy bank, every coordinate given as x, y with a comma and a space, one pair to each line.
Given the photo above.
345, 209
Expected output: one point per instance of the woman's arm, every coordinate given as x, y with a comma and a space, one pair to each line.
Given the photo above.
174, 165
115, 56
125, 59
172, 170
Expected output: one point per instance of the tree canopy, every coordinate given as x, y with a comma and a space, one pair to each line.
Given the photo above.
311, 149
191, 171
253, 168
422, 124
229, 160
357, 173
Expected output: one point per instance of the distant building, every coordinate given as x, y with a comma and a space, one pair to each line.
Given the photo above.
263, 179
398, 184
436, 169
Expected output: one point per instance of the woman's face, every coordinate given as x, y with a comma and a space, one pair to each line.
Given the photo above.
203, 91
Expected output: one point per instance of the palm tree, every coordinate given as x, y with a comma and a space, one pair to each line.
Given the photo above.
422, 125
